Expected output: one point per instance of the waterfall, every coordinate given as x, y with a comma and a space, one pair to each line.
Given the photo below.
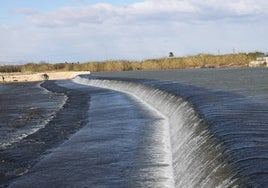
197, 156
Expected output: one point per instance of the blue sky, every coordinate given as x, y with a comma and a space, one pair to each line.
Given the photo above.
84, 30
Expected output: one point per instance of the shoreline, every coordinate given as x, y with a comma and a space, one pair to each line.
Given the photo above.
33, 77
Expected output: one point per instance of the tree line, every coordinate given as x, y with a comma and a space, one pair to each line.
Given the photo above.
195, 61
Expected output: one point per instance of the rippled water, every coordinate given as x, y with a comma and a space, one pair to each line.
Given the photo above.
176, 128
24, 109
232, 105
248, 81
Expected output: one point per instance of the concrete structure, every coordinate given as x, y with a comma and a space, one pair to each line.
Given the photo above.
20, 77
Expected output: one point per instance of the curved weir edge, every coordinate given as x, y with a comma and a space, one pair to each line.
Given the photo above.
196, 155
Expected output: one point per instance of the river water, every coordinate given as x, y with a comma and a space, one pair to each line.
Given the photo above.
248, 81
171, 128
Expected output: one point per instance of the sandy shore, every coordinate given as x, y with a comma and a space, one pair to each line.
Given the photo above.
15, 77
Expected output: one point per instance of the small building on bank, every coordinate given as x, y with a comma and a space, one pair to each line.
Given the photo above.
260, 62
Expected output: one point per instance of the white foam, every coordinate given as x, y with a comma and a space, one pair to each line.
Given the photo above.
165, 137
191, 149
22, 133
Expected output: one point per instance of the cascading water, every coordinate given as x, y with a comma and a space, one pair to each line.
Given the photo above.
198, 159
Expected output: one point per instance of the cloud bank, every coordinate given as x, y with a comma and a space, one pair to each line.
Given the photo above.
141, 30
153, 10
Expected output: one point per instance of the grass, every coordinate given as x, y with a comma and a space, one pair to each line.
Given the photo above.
195, 61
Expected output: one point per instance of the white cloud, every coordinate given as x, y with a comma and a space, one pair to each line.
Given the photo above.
147, 29
162, 6
24, 11
151, 10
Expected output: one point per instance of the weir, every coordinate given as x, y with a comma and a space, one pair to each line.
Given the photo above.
198, 159
123, 144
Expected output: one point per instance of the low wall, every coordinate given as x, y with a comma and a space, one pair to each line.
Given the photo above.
19, 77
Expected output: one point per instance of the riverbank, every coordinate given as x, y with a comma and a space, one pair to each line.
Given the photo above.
32, 77
186, 62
